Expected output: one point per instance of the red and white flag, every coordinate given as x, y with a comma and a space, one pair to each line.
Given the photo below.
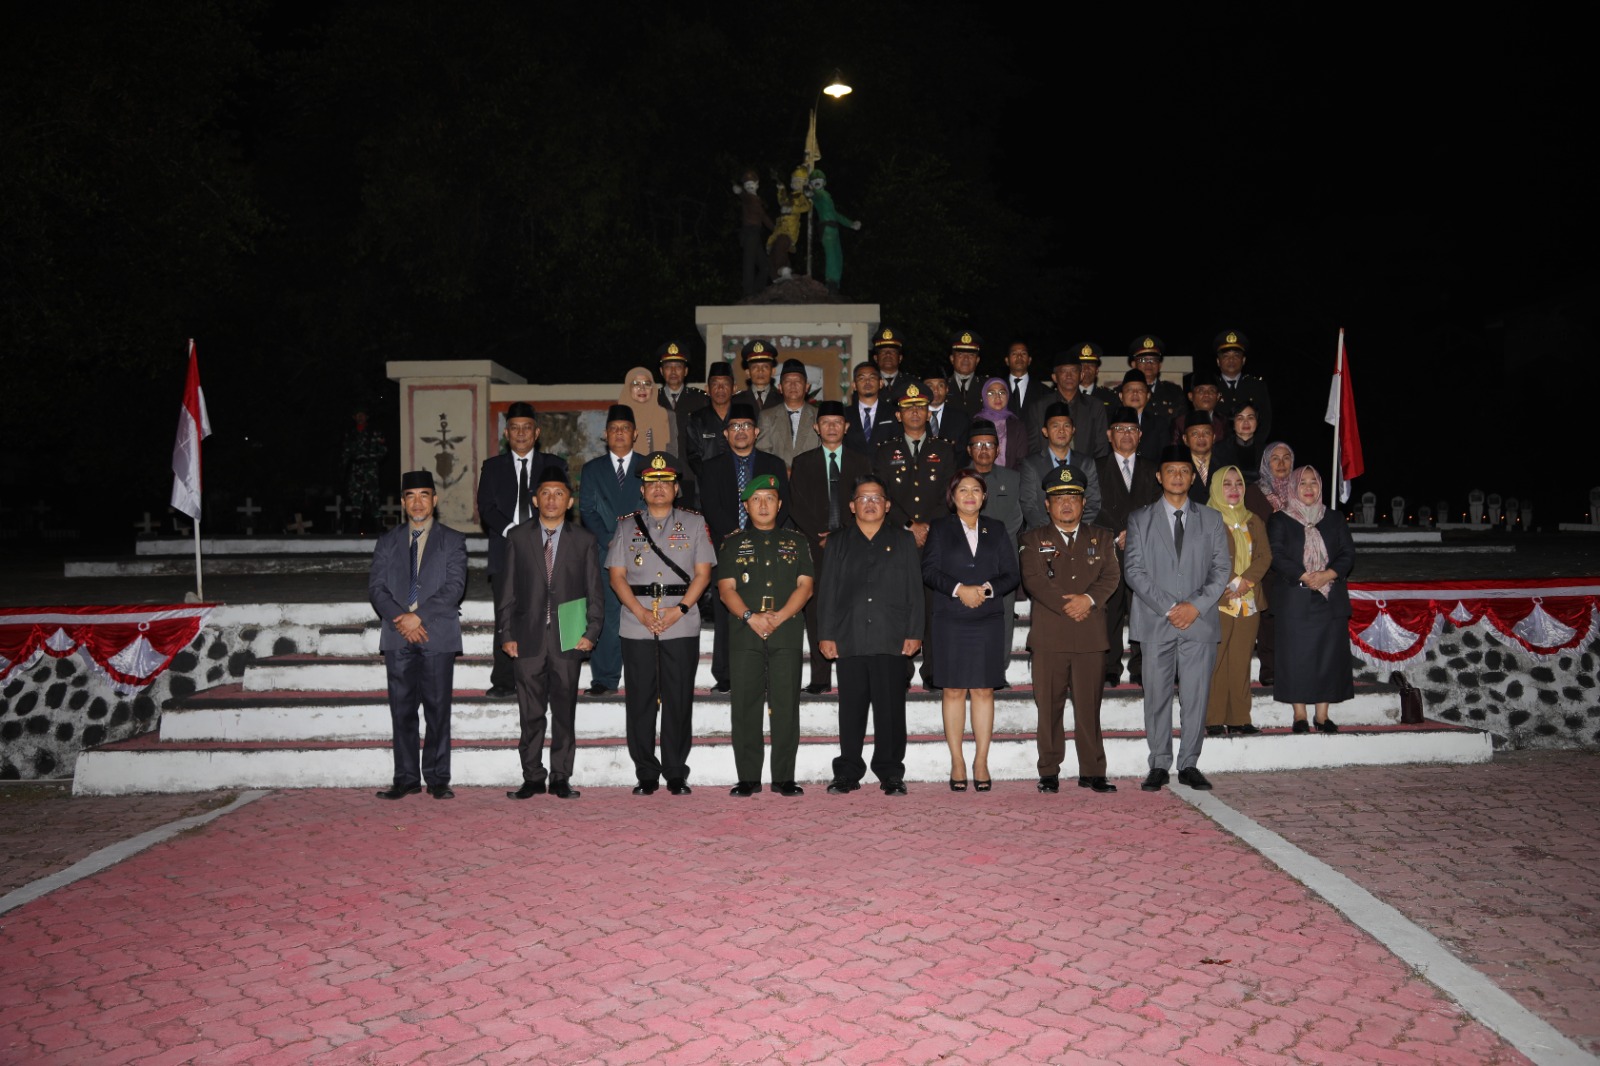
193, 427
1341, 416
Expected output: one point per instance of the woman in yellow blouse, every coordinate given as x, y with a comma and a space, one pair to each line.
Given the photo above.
1241, 606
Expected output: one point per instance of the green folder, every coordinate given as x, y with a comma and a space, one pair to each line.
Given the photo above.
573, 618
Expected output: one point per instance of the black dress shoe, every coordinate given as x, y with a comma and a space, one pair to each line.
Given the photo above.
500, 692
787, 788
721, 686
893, 787
1194, 779
1099, 784
1050, 783
841, 788
1301, 726
646, 788
598, 689
1327, 725
1216, 730
1154, 780
441, 792
1244, 730
528, 790
1113, 680
399, 792
678, 786
562, 790
817, 688
1135, 679
745, 789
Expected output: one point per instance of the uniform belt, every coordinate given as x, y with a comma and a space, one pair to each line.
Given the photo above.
658, 590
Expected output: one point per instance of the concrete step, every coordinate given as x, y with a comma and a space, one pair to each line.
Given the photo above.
147, 764
232, 714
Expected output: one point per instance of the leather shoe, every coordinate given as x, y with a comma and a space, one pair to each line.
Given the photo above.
1301, 726
1050, 783
678, 786
787, 788
528, 790
441, 792
500, 692
646, 788
1244, 730
1099, 784
1194, 779
721, 686
1154, 780
1327, 725
399, 792
840, 788
598, 689
745, 789
817, 688
1216, 730
562, 790
893, 787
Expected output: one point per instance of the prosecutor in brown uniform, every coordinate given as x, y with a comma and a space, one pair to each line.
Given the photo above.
1069, 569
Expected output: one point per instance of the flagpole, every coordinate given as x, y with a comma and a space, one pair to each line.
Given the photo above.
199, 582
1334, 475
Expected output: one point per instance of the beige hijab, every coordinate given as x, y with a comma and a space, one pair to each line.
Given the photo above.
653, 421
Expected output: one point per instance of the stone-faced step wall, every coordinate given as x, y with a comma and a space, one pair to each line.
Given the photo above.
1476, 677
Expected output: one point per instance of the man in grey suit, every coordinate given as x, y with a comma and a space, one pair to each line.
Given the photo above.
610, 487
786, 430
1177, 568
1057, 435
548, 563
419, 574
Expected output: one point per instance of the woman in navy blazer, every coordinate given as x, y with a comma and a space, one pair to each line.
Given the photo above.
970, 563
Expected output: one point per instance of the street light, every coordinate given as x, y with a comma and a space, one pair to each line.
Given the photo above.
837, 88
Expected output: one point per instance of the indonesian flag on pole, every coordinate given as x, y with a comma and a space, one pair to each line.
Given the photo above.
1342, 416
193, 427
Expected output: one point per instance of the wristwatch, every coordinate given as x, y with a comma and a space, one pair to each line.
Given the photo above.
746, 616
684, 607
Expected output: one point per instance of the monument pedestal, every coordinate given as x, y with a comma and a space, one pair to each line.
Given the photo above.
833, 338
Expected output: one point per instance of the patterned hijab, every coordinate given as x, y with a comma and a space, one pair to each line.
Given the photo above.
1315, 556
1278, 491
990, 413
1236, 516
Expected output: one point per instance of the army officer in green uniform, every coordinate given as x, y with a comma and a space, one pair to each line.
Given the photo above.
765, 578
659, 563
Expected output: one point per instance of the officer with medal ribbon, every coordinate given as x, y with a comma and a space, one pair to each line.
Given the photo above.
660, 562
764, 577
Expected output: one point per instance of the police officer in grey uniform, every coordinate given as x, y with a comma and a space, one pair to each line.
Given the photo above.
764, 577
660, 563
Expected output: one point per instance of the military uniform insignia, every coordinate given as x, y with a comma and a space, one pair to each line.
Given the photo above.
966, 338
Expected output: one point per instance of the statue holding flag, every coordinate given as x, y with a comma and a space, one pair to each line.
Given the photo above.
793, 202
830, 219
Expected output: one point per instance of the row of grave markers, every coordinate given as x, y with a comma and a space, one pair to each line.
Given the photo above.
1491, 511
148, 526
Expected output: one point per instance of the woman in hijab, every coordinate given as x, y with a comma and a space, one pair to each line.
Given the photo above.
1312, 555
1012, 440
1277, 464
653, 422
1240, 606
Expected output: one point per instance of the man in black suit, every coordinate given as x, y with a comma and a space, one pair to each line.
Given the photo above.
1021, 383
1128, 481
418, 577
1089, 416
887, 354
867, 413
945, 419
680, 399
505, 500
1155, 430
1199, 438
1089, 357
725, 478
1146, 353
821, 481
548, 563
760, 361
1239, 389
966, 387
704, 431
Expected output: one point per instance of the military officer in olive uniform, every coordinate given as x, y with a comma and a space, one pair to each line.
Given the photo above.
764, 577
659, 563
1070, 570
914, 466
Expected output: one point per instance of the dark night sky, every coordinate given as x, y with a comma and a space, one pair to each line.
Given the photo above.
548, 189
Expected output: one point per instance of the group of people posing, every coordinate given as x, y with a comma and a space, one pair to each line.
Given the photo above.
905, 521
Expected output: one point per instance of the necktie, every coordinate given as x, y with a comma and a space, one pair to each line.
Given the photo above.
549, 572
411, 596
1016, 389
1070, 538
915, 448
741, 477
933, 424
794, 427
1177, 533
1127, 473
524, 494
866, 421
833, 491
622, 471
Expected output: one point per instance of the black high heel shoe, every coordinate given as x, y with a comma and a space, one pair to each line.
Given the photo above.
1327, 725
982, 786
957, 786
1301, 726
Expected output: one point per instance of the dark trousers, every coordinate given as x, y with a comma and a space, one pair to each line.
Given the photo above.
764, 675
821, 665
605, 663
1267, 633
660, 671
503, 673
1055, 675
878, 683
719, 636
1117, 606
420, 677
547, 681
